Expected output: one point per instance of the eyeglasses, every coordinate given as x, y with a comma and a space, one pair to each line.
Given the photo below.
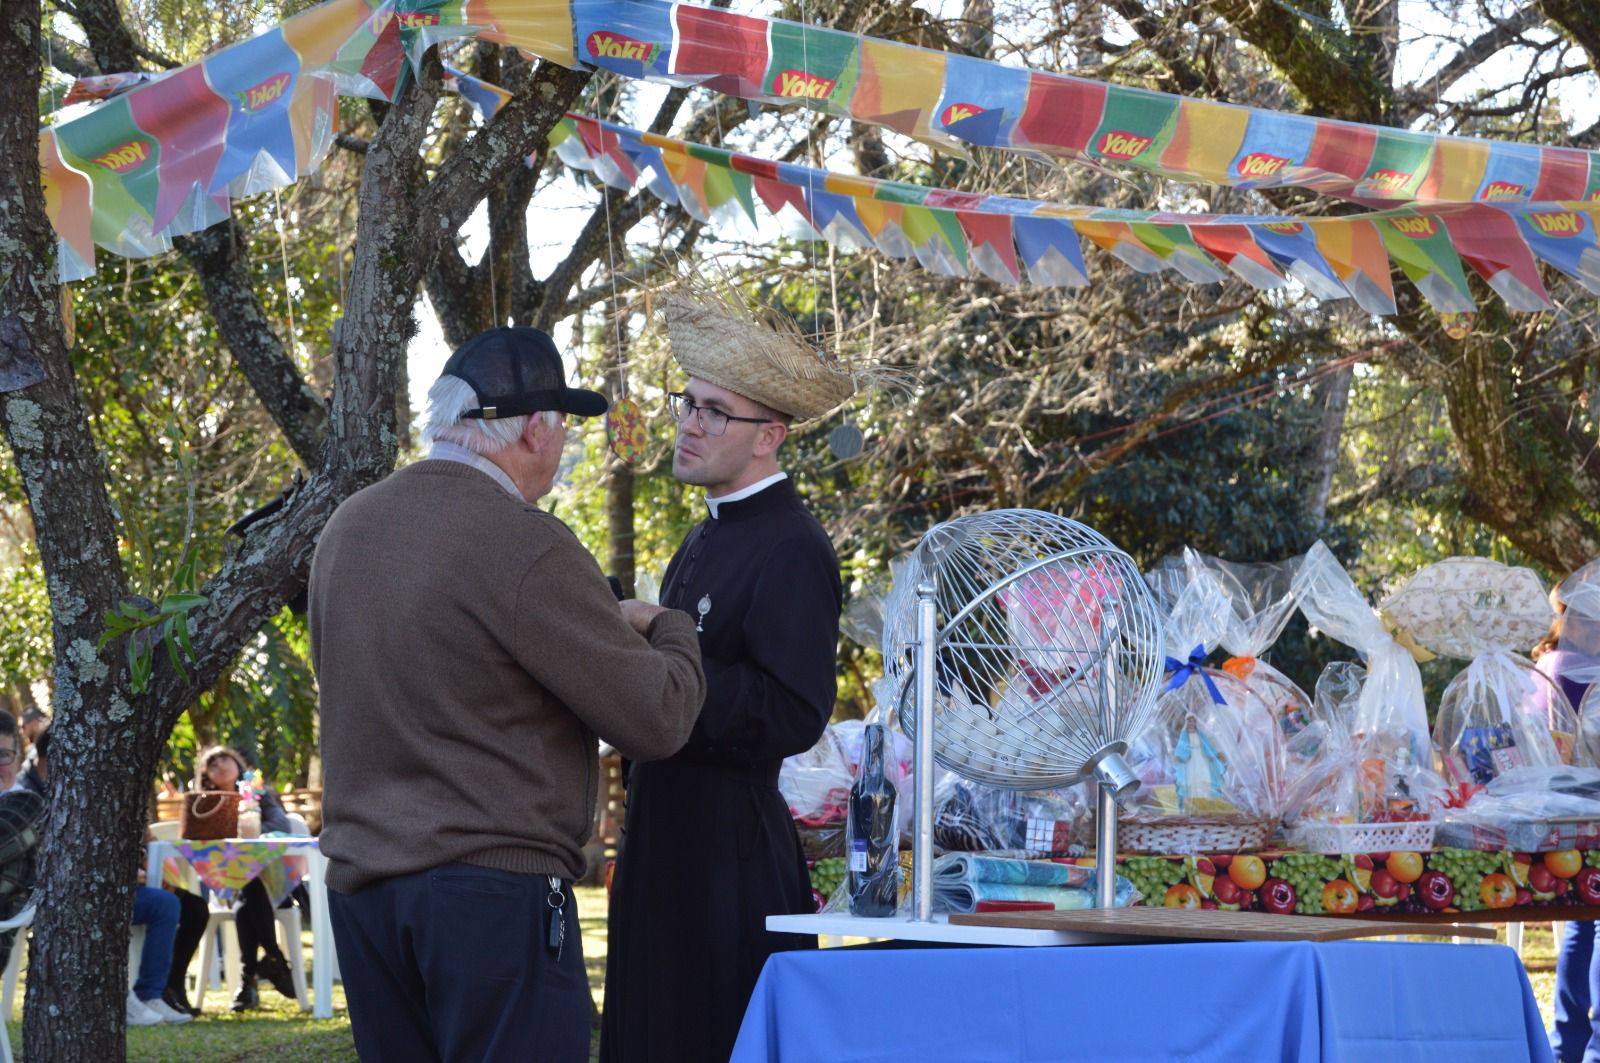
712, 422
7, 756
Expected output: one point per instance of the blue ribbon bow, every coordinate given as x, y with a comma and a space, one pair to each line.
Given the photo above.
1194, 666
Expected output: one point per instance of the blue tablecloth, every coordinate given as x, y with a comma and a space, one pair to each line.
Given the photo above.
1365, 1001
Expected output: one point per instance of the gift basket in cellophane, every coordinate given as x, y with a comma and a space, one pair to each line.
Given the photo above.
1360, 778
1499, 712
1261, 600
1523, 795
1354, 792
1211, 758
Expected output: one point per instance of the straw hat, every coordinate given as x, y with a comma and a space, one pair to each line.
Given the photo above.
715, 339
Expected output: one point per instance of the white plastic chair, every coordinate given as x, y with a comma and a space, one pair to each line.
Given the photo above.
165, 830
8, 989
288, 926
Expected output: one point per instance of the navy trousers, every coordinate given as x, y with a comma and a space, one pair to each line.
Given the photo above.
1577, 981
454, 965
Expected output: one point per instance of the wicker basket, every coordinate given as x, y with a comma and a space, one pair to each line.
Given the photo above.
1522, 836
1173, 837
1336, 838
209, 815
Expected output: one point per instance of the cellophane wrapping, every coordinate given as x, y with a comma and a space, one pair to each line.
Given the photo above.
1391, 700
1499, 712
1212, 749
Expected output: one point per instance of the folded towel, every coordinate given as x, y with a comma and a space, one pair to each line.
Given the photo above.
961, 880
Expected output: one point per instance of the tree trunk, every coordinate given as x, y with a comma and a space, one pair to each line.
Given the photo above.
1511, 486
104, 746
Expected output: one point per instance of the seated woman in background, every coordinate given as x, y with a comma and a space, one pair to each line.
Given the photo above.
220, 768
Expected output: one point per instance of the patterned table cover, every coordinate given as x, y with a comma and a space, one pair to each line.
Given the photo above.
227, 866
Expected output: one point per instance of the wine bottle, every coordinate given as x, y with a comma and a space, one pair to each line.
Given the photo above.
874, 871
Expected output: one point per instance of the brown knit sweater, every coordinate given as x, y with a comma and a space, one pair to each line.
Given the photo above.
468, 651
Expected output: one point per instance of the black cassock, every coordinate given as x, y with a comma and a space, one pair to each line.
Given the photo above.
709, 850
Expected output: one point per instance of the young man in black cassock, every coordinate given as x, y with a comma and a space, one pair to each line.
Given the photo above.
709, 849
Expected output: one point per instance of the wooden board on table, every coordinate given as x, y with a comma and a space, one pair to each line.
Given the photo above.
1214, 924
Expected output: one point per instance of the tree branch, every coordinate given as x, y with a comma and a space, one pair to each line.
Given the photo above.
457, 302
67, 57
1416, 98
1158, 36
1336, 87
1403, 482
1579, 20
618, 212
393, 248
115, 51
217, 255
520, 127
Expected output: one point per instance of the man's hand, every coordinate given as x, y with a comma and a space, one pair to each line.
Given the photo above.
639, 614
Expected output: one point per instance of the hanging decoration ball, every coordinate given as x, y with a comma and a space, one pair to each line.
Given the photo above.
846, 441
1456, 326
626, 431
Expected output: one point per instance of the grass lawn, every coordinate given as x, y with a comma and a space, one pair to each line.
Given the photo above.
281, 1033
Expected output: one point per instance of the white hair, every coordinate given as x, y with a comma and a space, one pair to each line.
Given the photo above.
449, 398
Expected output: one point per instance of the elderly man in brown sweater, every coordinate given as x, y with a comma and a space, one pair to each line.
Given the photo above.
469, 652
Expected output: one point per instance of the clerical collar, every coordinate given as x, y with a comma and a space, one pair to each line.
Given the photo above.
444, 450
744, 492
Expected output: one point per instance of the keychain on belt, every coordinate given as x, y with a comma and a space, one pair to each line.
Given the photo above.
557, 900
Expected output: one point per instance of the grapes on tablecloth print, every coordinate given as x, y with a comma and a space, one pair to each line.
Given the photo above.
1443, 880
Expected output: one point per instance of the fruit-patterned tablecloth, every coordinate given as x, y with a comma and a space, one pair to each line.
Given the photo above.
227, 866
1436, 881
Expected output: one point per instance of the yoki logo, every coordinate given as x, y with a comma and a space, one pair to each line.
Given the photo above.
1287, 228
408, 20
1502, 190
1389, 180
1565, 223
959, 111
260, 97
1260, 164
1416, 228
127, 157
603, 44
799, 85
1119, 145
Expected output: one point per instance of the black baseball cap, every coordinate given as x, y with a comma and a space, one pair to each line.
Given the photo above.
516, 371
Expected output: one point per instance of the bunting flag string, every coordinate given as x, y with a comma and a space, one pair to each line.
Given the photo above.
1011, 240
166, 155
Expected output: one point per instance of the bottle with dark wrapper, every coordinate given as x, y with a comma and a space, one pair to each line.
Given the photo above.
873, 877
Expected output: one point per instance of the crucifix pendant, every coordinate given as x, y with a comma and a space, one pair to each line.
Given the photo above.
703, 607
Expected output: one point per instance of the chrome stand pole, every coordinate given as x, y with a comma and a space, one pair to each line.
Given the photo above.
922, 751
1113, 780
